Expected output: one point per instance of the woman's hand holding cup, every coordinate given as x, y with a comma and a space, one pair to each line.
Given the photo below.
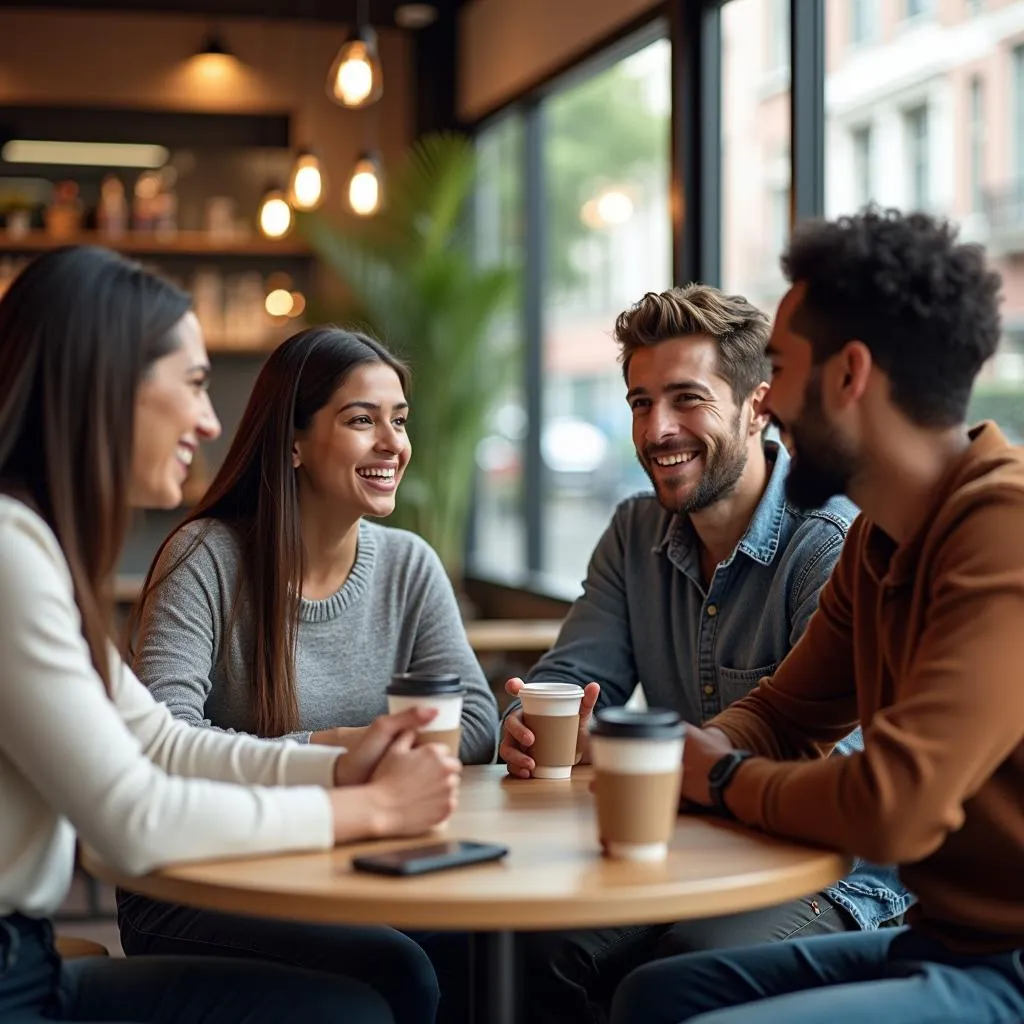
362, 757
413, 789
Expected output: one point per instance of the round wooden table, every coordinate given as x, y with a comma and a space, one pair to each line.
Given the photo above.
553, 877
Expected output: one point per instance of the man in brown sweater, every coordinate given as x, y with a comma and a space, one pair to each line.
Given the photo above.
918, 637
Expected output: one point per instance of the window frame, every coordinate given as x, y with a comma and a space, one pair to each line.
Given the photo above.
694, 29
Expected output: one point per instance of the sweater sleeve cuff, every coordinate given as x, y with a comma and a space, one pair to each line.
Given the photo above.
311, 765
515, 706
746, 797
744, 731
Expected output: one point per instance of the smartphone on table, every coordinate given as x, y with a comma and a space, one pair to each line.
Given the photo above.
419, 860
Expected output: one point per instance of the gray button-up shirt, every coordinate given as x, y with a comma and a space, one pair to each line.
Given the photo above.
646, 616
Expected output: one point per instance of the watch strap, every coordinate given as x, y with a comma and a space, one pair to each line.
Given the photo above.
722, 773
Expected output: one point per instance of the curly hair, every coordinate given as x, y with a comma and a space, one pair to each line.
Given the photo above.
740, 329
926, 305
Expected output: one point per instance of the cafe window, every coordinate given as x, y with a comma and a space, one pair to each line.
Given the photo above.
929, 111
498, 541
755, 135
607, 241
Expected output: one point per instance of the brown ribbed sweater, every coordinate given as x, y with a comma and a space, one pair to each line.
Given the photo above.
923, 645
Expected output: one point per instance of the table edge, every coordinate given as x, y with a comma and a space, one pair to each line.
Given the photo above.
486, 914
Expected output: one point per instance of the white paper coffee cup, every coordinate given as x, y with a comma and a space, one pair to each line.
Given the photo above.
637, 757
442, 693
552, 713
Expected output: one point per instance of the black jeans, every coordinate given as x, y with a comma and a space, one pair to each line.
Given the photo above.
569, 977
37, 986
387, 960
867, 978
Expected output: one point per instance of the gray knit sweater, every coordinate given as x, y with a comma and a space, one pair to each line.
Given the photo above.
396, 612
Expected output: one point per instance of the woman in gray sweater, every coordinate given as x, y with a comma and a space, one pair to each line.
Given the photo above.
277, 609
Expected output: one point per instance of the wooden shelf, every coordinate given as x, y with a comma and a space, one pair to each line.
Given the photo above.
183, 243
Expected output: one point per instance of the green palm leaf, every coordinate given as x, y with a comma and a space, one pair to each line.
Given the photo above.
410, 278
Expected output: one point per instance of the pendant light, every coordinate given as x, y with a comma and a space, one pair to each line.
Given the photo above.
275, 216
366, 186
213, 58
307, 186
356, 79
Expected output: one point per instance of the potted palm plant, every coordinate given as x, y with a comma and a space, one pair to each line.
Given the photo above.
410, 277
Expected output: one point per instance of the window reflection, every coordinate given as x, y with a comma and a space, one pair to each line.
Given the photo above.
606, 162
940, 89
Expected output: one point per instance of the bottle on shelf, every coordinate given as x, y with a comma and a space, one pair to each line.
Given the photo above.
112, 212
208, 302
18, 217
63, 217
220, 218
165, 205
145, 205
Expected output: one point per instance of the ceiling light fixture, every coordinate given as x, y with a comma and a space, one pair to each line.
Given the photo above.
84, 154
275, 216
366, 186
307, 186
356, 78
213, 57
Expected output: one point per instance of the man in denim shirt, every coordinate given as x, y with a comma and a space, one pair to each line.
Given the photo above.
695, 591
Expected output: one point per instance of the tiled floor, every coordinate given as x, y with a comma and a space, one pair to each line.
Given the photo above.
101, 927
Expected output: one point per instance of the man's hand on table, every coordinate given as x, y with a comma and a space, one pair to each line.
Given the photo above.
367, 746
516, 739
703, 747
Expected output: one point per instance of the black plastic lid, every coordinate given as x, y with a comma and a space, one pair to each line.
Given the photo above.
424, 684
652, 724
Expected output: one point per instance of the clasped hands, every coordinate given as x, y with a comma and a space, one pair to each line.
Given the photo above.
406, 788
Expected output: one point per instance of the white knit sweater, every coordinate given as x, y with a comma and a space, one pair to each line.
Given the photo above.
138, 787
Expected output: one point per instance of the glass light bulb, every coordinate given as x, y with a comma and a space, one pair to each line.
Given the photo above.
356, 78
275, 215
354, 81
307, 187
364, 189
279, 302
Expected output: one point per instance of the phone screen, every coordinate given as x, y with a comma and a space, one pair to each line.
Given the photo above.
438, 856
399, 857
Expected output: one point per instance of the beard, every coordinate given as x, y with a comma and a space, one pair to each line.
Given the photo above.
723, 467
823, 464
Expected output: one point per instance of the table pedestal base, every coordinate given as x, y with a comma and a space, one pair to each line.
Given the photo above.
493, 978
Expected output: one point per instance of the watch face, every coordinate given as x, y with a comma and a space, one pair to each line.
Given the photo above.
721, 768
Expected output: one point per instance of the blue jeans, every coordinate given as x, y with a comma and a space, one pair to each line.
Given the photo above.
37, 986
569, 977
385, 959
862, 978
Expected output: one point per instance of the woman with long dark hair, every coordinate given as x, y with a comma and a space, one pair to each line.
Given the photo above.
279, 609
103, 403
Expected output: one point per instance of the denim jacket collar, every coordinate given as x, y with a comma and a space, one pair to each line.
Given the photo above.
760, 541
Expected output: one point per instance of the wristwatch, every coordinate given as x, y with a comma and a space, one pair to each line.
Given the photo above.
721, 774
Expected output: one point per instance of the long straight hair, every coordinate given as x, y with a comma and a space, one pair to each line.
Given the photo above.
256, 493
79, 329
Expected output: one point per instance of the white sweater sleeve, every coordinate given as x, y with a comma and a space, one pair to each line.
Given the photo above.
182, 749
111, 766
